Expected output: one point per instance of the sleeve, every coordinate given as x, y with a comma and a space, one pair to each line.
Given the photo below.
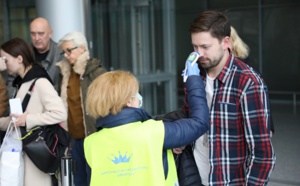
53, 109
98, 72
256, 116
186, 130
3, 98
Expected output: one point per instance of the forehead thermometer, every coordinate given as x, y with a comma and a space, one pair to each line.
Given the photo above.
193, 57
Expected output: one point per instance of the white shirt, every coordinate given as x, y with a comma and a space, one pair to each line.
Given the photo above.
201, 151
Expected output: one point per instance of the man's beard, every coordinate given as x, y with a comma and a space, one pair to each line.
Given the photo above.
213, 63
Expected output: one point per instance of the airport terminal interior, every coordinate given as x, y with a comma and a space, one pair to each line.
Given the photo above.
151, 39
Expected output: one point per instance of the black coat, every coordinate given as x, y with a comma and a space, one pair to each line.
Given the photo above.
187, 171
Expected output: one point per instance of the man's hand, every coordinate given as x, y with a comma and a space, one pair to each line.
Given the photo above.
178, 150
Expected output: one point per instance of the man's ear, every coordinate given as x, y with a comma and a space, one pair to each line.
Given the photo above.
50, 33
226, 43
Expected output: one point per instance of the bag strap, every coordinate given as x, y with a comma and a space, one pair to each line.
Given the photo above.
27, 96
25, 103
23, 129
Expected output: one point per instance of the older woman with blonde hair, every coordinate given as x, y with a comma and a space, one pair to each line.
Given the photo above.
130, 148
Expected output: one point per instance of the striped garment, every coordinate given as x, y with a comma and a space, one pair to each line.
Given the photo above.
240, 149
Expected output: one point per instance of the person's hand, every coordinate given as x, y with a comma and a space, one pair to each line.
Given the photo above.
192, 69
20, 120
2, 63
178, 150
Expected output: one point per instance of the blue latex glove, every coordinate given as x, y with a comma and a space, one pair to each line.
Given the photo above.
191, 67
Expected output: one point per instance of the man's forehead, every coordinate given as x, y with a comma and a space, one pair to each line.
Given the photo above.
202, 38
39, 26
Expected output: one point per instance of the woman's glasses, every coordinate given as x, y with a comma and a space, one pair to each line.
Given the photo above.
68, 51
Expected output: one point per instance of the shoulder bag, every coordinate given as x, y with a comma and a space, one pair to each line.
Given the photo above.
44, 145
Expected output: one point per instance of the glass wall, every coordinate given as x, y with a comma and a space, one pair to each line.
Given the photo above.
139, 36
15, 18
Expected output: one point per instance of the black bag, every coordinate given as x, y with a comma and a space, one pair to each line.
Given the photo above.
44, 145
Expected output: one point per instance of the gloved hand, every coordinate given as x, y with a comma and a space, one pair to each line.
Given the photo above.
191, 68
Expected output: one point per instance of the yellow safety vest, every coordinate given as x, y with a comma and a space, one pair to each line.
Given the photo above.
129, 154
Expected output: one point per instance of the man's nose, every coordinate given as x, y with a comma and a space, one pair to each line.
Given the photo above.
36, 37
200, 51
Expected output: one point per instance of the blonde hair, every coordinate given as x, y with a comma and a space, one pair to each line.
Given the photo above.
110, 92
238, 47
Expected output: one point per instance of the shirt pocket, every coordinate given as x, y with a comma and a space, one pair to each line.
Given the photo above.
228, 115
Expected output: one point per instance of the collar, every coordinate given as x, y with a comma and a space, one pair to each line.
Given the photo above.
79, 67
225, 72
36, 71
126, 116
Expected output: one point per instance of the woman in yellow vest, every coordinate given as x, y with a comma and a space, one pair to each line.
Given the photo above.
130, 148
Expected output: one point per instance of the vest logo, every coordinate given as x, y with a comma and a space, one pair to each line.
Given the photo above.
120, 159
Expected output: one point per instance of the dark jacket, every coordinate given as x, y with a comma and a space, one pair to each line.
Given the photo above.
178, 133
50, 63
187, 170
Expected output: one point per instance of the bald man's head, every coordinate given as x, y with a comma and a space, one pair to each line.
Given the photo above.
41, 33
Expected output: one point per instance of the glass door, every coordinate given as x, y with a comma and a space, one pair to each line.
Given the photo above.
138, 35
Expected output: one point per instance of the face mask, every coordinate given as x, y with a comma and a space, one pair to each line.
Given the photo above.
140, 99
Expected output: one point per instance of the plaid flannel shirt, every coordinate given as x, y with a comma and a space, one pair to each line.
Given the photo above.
240, 149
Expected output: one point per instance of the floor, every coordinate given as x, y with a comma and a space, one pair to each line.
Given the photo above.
286, 142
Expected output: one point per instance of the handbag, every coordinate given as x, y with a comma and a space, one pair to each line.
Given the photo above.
11, 158
44, 145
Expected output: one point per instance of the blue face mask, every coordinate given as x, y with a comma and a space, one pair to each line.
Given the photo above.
140, 99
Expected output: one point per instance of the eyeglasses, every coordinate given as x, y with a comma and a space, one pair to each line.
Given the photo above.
4, 59
68, 51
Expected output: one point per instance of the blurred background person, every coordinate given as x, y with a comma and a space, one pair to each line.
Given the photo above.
78, 71
45, 106
3, 96
46, 52
241, 50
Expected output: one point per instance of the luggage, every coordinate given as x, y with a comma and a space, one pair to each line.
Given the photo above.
66, 172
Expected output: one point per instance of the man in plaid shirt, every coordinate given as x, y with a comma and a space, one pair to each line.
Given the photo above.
237, 149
